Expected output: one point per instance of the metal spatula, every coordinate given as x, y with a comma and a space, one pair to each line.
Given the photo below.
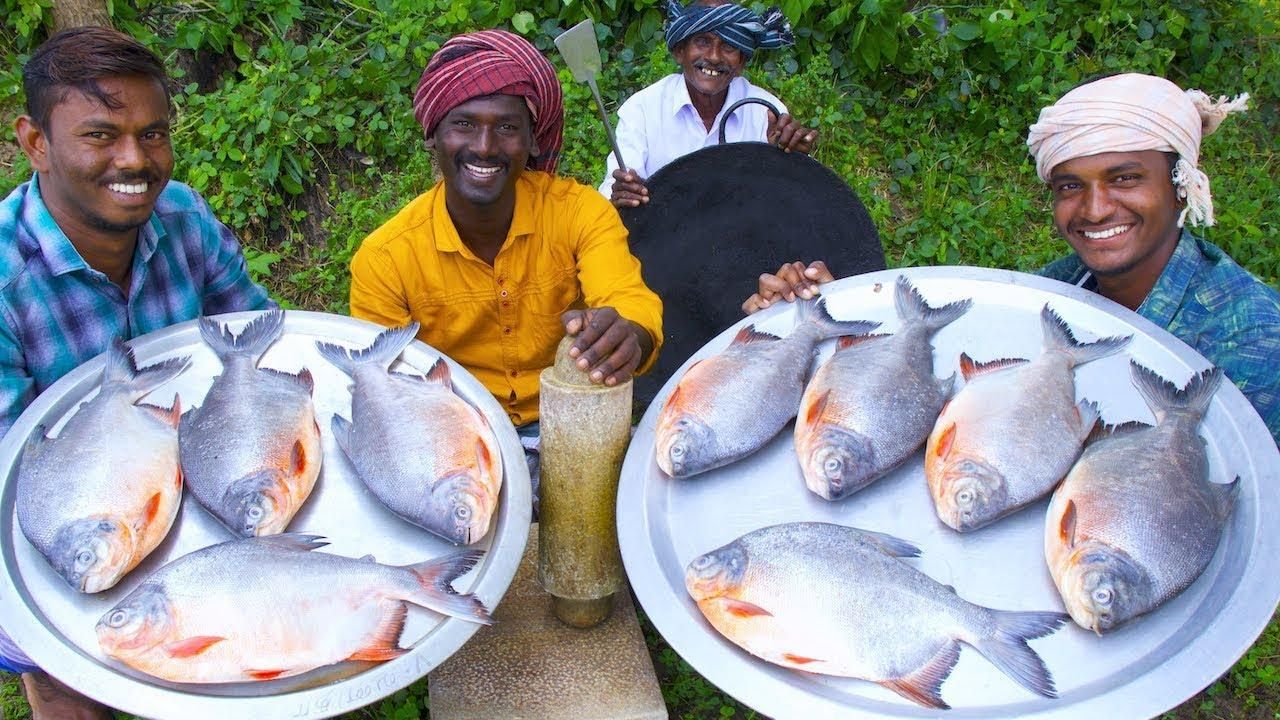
581, 53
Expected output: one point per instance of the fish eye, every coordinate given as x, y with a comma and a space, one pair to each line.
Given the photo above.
462, 512
117, 618
84, 557
702, 561
965, 497
832, 466
677, 451
105, 526
254, 512
1102, 596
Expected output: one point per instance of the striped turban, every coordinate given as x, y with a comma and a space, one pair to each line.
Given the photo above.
1131, 113
494, 62
734, 24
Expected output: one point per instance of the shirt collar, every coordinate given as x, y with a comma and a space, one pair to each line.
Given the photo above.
58, 251
680, 100
1174, 283
446, 234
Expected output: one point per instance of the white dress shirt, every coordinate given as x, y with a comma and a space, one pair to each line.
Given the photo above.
659, 124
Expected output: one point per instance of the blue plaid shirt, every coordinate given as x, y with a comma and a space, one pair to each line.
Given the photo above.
56, 312
1217, 307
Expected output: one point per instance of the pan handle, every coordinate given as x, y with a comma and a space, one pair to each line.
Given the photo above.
740, 103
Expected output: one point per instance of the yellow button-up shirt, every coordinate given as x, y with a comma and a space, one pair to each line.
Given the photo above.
566, 248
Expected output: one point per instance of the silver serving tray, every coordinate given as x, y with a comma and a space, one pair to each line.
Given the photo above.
55, 624
1141, 670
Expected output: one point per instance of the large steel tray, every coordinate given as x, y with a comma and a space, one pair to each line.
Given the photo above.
1139, 671
55, 624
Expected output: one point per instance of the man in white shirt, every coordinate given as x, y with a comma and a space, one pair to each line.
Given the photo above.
712, 41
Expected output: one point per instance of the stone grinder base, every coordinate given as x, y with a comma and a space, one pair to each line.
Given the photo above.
529, 665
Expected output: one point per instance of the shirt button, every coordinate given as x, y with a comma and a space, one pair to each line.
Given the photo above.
503, 293
506, 331
515, 373
506, 303
502, 279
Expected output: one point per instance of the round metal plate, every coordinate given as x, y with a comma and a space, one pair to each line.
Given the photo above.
1141, 670
55, 624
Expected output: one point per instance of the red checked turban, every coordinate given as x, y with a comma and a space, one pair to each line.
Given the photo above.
494, 62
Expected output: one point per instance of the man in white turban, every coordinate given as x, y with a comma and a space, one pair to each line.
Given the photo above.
1121, 157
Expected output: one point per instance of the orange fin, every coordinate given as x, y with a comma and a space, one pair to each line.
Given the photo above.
177, 479
848, 341
171, 415
439, 373
798, 659
1067, 525
192, 646
970, 369
151, 508
299, 457
483, 457
264, 674
750, 334
741, 608
386, 638
308, 382
816, 409
924, 686
945, 441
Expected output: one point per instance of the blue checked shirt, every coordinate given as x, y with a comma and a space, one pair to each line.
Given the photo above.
56, 312
1217, 307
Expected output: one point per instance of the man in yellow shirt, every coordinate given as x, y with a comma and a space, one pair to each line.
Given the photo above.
502, 258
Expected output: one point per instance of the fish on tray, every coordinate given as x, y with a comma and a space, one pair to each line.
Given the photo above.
835, 600
426, 453
872, 405
269, 607
1137, 519
251, 452
99, 497
1013, 431
727, 406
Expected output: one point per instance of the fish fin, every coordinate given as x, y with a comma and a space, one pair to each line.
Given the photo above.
171, 416
298, 457
192, 646
750, 334
1224, 496
815, 311
302, 378
484, 458
436, 578
36, 441
924, 686
1101, 430
151, 508
799, 659
342, 433
911, 305
1058, 336
384, 350
971, 369
1164, 397
1007, 649
253, 340
439, 373
265, 674
385, 643
299, 542
368, 558
890, 545
1067, 525
122, 369
814, 412
1088, 416
743, 609
178, 479
848, 341
948, 437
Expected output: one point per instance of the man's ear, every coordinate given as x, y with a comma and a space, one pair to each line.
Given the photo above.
34, 142
430, 142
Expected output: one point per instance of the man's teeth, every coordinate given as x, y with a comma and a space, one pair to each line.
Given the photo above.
1104, 234
477, 170
128, 188
709, 71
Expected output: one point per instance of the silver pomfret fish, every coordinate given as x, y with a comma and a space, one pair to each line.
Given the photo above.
270, 607
835, 600
251, 452
1013, 431
872, 404
1137, 519
727, 406
426, 453
99, 497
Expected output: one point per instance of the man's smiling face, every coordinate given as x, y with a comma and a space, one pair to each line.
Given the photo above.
709, 63
482, 146
1118, 211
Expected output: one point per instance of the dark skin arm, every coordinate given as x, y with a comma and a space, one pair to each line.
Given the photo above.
629, 189
607, 346
793, 280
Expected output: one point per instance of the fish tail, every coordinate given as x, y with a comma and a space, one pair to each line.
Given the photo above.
911, 305
436, 580
1007, 649
383, 351
1058, 336
815, 311
253, 340
1164, 397
122, 370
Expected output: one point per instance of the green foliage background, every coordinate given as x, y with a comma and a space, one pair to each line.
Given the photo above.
294, 121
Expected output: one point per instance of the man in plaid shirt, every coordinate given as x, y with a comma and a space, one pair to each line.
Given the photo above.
99, 243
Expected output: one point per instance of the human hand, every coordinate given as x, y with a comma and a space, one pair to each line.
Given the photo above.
629, 189
787, 133
793, 280
608, 346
